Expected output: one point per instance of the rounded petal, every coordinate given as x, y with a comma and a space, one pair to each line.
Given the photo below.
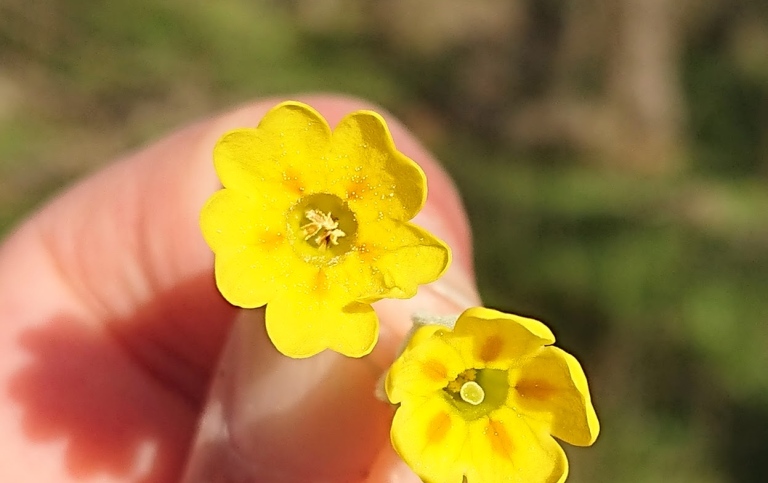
420, 334
415, 336
357, 330
287, 149
234, 220
552, 386
404, 255
249, 277
354, 278
377, 178
501, 340
425, 369
506, 448
303, 324
429, 435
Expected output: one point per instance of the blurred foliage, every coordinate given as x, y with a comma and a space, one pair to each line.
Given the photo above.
613, 158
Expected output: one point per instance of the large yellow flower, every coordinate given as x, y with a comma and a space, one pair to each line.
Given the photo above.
483, 400
315, 224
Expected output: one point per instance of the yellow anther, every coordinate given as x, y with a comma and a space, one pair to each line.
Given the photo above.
455, 385
323, 227
472, 393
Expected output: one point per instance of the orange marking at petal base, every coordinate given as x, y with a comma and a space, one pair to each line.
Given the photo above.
270, 241
368, 252
434, 370
438, 427
292, 181
501, 443
491, 348
535, 389
321, 281
356, 189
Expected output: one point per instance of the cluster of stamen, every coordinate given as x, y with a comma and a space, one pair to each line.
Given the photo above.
466, 388
323, 227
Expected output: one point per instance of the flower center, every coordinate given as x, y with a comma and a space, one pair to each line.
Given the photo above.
477, 392
323, 227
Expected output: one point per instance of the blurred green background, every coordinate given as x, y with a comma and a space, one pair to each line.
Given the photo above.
613, 156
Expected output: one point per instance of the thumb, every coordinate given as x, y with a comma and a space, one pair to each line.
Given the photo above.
271, 418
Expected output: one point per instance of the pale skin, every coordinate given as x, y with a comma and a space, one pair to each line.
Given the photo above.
111, 326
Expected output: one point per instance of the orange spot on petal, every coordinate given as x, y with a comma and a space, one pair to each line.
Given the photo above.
357, 189
438, 427
292, 181
501, 444
270, 241
535, 389
435, 370
321, 281
368, 252
491, 348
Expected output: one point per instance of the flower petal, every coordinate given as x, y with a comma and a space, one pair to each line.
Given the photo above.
234, 220
377, 177
404, 255
552, 384
304, 324
250, 246
356, 330
427, 368
429, 435
501, 340
505, 448
248, 277
286, 150
354, 278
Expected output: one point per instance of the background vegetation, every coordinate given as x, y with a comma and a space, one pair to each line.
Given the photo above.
613, 157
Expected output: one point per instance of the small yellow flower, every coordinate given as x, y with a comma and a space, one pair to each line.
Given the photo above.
315, 224
484, 400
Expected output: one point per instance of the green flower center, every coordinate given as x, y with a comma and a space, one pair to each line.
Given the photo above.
477, 392
323, 228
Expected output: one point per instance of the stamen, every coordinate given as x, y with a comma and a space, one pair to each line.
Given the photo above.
323, 227
468, 375
472, 393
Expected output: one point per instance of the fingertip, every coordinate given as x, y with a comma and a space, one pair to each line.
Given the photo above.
390, 468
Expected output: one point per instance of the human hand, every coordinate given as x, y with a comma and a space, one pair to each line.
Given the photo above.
111, 329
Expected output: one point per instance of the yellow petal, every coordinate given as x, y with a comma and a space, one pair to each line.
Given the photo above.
235, 220
404, 255
302, 324
415, 337
506, 448
422, 333
425, 369
285, 150
353, 278
356, 330
377, 177
252, 255
247, 278
500, 340
552, 386
429, 435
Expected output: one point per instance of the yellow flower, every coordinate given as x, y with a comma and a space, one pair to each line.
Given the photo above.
484, 400
315, 224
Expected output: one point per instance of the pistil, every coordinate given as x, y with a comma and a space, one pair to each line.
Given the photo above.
472, 393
